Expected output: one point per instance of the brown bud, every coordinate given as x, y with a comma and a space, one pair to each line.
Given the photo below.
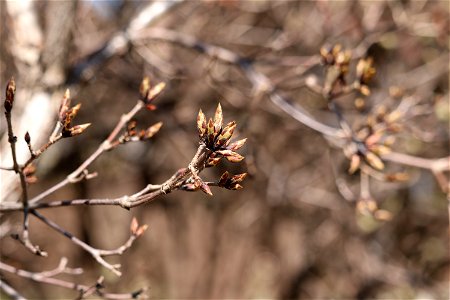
374, 161
152, 130
223, 179
211, 132
231, 155
10, 93
65, 104
365, 70
201, 123
27, 138
366, 206
226, 134
144, 88
141, 230
237, 145
79, 129
364, 89
205, 189
134, 225
355, 162
131, 127
218, 119
213, 161
155, 91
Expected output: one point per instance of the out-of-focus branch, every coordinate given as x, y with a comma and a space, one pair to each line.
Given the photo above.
121, 40
83, 290
10, 291
261, 83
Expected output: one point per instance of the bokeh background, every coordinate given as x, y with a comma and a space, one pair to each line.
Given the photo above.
289, 233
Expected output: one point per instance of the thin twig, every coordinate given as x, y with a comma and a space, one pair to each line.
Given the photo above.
82, 289
106, 145
93, 251
10, 291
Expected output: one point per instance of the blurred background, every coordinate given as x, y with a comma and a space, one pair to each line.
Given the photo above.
289, 233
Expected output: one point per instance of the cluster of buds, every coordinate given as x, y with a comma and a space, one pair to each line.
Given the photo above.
337, 61
375, 139
217, 140
10, 93
369, 207
148, 93
137, 230
66, 116
231, 182
132, 134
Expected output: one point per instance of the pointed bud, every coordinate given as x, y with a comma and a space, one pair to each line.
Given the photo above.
201, 123
10, 93
141, 230
155, 91
223, 179
152, 130
218, 119
374, 161
74, 110
211, 133
237, 145
27, 138
238, 178
205, 189
227, 133
213, 161
65, 104
144, 88
354, 163
134, 225
372, 139
79, 129
365, 90
235, 157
